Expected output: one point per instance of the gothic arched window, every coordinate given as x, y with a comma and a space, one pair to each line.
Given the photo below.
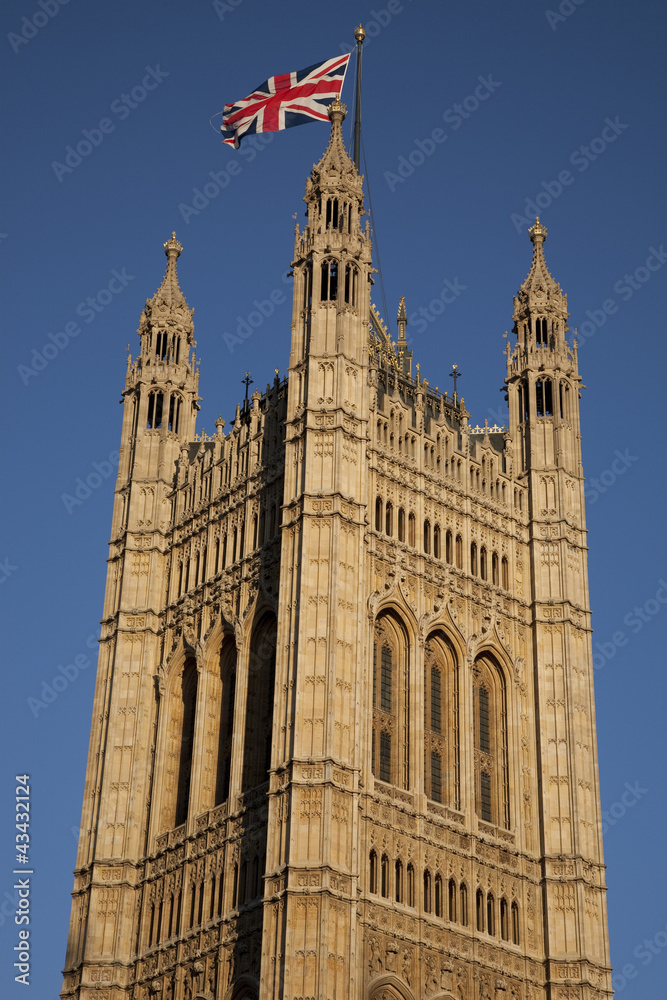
401, 524
427, 537
473, 558
188, 698
155, 402
441, 721
436, 541
490, 723
390, 749
259, 707
329, 290
351, 276
225, 717
372, 872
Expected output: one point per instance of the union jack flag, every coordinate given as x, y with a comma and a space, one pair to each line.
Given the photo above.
285, 100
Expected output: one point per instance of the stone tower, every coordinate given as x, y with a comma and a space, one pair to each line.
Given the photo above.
343, 741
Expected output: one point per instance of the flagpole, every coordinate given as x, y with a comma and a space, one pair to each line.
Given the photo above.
359, 34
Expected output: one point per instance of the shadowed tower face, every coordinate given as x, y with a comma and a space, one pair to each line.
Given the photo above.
343, 740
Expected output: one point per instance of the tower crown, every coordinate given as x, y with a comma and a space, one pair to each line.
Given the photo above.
540, 307
166, 328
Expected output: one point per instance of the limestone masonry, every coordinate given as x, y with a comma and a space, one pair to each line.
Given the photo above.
343, 741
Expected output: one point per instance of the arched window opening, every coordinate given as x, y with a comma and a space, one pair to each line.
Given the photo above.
436, 776
384, 876
515, 924
332, 213
174, 413
448, 547
504, 920
441, 721
494, 569
562, 397
259, 709
437, 900
151, 926
401, 524
539, 398
227, 684
329, 289
155, 401
473, 558
490, 915
255, 532
463, 907
480, 910
385, 756
459, 552
390, 702
482, 562
548, 398
526, 401
351, 284
398, 881
436, 541
541, 332
490, 740
189, 704
505, 573
373, 872
158, 927
411, 529
410, 886
427, 891
197, 562
451, 900
221, 885
378, 514
389, 519
427, 537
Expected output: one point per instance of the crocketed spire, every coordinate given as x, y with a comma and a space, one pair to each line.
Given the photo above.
539, 293
335, 170
168, 307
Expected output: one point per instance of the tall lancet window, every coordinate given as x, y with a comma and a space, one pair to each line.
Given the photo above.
225, 717
329, 290
441, 721
391, 744
490, 727
259, 705
188, 707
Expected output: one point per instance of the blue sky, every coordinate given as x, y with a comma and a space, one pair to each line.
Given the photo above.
559, 105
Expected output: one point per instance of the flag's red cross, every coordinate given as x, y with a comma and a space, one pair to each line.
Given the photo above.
293, 93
